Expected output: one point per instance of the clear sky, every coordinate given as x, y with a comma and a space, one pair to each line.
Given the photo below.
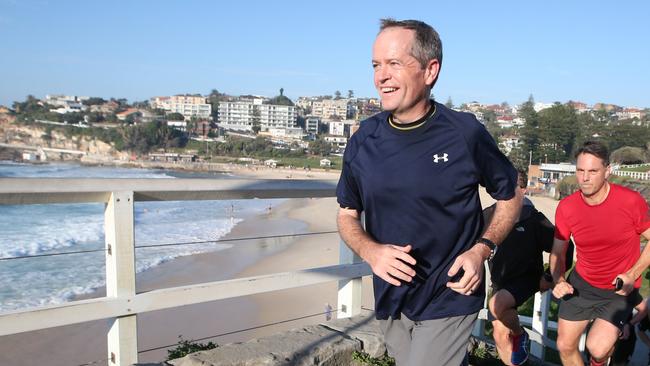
494, 51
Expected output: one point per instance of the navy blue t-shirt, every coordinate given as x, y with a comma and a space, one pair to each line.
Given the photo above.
420, 187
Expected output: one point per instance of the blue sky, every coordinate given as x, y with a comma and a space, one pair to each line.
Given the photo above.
494, 51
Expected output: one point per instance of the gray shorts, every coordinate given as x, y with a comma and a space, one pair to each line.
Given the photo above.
428, 342
588, 302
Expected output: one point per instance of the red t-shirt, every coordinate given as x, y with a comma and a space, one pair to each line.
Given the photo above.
606, 235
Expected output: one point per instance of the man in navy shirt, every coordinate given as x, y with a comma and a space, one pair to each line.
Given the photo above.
414, 170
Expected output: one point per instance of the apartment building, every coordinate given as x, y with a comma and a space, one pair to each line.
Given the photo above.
311, 124
187, 105
240, 115
327, 108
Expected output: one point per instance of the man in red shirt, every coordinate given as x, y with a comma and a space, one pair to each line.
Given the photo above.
605, 221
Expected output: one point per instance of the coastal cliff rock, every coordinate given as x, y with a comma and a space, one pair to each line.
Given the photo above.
327, 344
95, 149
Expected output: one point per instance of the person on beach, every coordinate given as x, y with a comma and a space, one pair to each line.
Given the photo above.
517, 273
414, 171
605, 220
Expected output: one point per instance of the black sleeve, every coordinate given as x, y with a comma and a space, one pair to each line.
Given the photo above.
546, 235
568, 259
545, 231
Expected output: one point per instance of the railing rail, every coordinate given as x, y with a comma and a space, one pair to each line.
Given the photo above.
122, 304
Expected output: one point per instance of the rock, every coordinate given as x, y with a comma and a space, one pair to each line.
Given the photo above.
363, 328
312, 345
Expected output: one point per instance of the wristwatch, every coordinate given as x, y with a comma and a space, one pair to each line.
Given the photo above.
490, 244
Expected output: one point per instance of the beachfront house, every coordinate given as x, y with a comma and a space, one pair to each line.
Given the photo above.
271, 163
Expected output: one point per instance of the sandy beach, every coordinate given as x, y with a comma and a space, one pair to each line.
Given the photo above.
83, 343
225, 319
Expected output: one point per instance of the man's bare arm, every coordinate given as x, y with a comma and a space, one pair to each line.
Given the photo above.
390, 262
637, 269
504, 218
558, 268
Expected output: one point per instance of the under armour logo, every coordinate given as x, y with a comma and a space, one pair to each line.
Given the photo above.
444, 158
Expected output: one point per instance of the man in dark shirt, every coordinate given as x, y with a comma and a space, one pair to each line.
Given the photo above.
415, 170
517, 273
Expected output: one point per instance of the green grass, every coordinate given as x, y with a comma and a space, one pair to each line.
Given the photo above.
363, 358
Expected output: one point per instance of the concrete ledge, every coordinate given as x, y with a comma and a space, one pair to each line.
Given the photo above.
327, 344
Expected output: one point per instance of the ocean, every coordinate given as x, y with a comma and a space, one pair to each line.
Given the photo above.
43, 230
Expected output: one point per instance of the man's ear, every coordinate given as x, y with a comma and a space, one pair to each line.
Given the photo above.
431, 71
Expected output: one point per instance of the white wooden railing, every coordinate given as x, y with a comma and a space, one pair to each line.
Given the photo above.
122, 304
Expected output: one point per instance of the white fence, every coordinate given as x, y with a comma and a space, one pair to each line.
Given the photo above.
122, 304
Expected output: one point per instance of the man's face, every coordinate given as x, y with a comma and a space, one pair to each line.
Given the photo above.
402, 82
591, 173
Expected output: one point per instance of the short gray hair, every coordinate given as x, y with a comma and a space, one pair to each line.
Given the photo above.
426, 45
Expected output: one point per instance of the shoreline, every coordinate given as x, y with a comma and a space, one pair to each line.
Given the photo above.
206, 169
246, 170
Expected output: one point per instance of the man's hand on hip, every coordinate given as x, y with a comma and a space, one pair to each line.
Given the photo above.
392, 263
471, 263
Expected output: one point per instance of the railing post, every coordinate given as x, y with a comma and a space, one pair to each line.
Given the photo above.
120, 276
540, 322
479, 324
350, 290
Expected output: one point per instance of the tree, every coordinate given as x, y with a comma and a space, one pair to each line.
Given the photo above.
337, 95
31, 105
627, 134
350, 93
529, 134
213, 99
144, 137
280, 99
143, 104
93, 101
175, 116
558, 128
257, 120
449, 103
320, 147
629, 155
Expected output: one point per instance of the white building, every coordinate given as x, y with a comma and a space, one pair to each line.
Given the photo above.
240, 115
327, 108
290, 132
338, 142
630, 113
507, 143
311, 124
553, 173
337, 128
187, 105
539, 106
66, 103
179, 125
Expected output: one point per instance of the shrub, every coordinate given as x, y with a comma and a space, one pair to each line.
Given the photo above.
186, 347
566, 186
